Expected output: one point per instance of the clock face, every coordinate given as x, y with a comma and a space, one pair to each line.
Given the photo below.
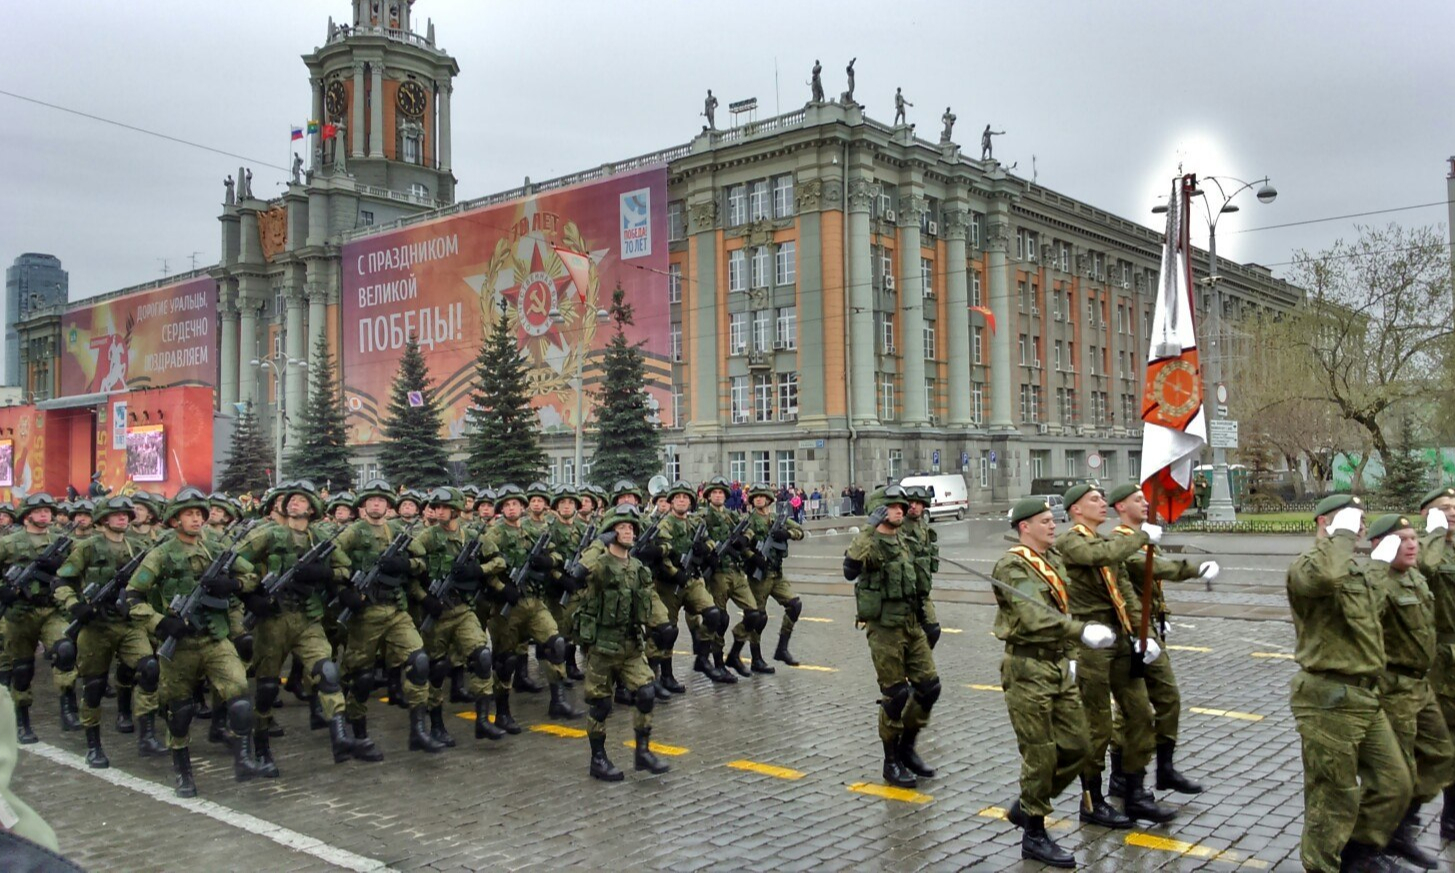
336, 100
412, 99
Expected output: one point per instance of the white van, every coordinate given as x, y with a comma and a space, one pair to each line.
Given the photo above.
948, 494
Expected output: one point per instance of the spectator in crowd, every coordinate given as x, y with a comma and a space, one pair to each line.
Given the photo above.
796, 504
815, 503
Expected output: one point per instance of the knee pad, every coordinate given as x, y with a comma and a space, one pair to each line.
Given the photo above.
755, 620
926, 693
664, 636
93, 689
896, 698
148, 673
479, 662
268, 689
599, 708
646, 698
362, 684
326, 676
179, 717
714, 620
244, 646
932, 634
555, 649
794, 608
22, 674
64, 655
125, 675
505, 666
439, 671
240, 716
416, 668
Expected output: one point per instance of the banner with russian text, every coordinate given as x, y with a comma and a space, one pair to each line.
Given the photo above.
447, 281
150, 339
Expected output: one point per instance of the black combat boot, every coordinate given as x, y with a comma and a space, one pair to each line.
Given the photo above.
484, 729
23, 733
1405, 841
601, 766
244, 765
723, 675
701, 657
735, 660
646, 759
503, 718
663, 693
894, 770
147, 744
263, 747
338, 738
782, 654
124, 722
1141, 805
668, 680
910, 758
1116, 783
317, 721
561, 707
360, 727
419, 737
396, 688
437, 727
70, 719
295, 682
1363, 858
95, 755
1094, 808
182, 766
1168, 779
199, 696
760, 665
1037, 845
573, 671
458, 689
362, 748
217, 729
1447, 815
522, 681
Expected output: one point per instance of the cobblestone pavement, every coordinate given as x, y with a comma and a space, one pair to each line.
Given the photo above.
776, 772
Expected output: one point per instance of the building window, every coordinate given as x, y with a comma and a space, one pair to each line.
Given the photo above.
783, 196
975, 288
737, 466
366, 217
787, 396
787, 468
1075, 460
679, 406
1058, 349
762, 468
930, 398
737, 198
763, 392
977, 344
886, 332
418, 190
927, 276
677, 342
929, 342
737, 270
760, 267
886, 398
896, 464
1030, 404
886, 265
676, 220
977, 222
1134, 466
977, 403
674, 283
737, 333
674, 466
1022, 343
984, 469
741, 409
1040, 463
758, 200
787, 335
760, 330
411, 149
786, 266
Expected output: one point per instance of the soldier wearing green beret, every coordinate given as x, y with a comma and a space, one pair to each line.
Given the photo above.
1437, 563
1337, 603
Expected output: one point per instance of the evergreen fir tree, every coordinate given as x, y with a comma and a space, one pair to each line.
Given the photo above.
503, 444
1406, 471
627, 440
413, 452
249, 458
322, 451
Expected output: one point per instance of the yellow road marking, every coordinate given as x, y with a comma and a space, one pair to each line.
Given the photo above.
766, 769
889, 792
470, 716
817, 619
1191, 850
557, 730
1003, 814
817, 669
681, 654
1281, 655
659, 748
1187, 648
985, 687
952, 630
1226, 713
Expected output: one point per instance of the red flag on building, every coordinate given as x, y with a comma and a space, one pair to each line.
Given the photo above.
1174, 429
329, 131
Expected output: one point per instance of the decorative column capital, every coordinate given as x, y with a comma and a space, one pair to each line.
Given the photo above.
912, 208
861, 195
954, 223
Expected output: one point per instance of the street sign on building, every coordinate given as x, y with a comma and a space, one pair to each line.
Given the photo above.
1222, 434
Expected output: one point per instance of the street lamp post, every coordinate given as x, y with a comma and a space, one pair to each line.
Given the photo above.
559, 318
278, 363
1220, 501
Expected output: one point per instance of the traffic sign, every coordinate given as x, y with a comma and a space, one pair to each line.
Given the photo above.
1222, 434
1093, 461
964, 459
992, 456
935, 458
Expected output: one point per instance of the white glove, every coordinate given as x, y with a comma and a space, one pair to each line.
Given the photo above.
1350, 518
1153, 652
1386, 550
1097, 636
1435, 520
1153, 532
1208, 571
1073, 671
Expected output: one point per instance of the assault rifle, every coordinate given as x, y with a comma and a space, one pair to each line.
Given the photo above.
441, 587
573, 566
100, 593
519, 574
648, 537
274, 584
770, 544
688, 562
364, 581
19, 577
727, 544
186, 607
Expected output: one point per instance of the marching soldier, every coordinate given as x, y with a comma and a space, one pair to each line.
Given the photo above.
176, 568
926, 546
340, 513
7, 517
83, 518
146, 507
566, 533
1437, 563
678, 588
1038, 674
1100, 593
728, 581
890, 606
770, 582
220, 513
1355, 782
615, 607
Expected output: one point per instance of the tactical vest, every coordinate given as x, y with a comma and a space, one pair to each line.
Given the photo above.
613, 612
180, 570
889, 593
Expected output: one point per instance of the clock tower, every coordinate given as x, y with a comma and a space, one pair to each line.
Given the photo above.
384, 90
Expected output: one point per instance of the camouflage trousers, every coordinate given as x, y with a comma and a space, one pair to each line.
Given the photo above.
455, 636
728, 584
693, 597
292, 632
602, 672
24, 629
1050, 727
1165, 698
529, 620
1104, 675
199, 658
381, 627
903, 665
1420, 729
774, 586
99, 643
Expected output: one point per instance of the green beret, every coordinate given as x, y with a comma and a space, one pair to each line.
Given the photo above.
1028, 508
1388, 524
1122, 492
1335, 502
1436, 495
1076, 492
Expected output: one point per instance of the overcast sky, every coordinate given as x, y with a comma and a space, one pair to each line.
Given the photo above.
1344, 104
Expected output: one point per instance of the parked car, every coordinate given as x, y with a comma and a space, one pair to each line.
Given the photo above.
948, 493
1058, 507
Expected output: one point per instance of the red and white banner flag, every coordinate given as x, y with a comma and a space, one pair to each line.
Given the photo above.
578, 267
1174, 429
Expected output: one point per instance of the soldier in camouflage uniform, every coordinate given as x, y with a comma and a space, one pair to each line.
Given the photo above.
766, 581
566, 533
455, 637
889, 604
147, 507
1355, 781
615, 607
536, 518
7, 517
221, 513
380, 621
1038, 674
679, 589
728, 581
1437, 563
83, 519
408, 505
925, 543
106, 634
31, 616
175, 569
339, 513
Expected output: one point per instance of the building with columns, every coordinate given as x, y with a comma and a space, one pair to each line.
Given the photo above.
850, 303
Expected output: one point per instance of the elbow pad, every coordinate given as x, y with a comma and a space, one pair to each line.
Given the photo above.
852, 568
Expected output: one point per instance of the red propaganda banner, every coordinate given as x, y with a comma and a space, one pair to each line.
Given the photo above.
151, 339
447, 281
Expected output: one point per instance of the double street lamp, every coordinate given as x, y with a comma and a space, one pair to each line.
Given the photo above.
279, 364
559, 318
1220, 502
